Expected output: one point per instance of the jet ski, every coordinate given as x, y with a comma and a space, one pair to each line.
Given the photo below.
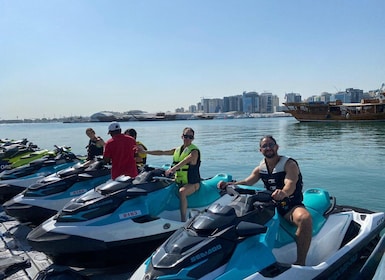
247, 239
61, 155
13, 151
7, 141
29, 157
13, 181
32, 153
121, 221
45, 198
11, 148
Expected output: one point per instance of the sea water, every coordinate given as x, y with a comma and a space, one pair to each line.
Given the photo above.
347, 159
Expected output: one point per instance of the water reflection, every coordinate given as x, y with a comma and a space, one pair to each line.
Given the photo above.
322, 131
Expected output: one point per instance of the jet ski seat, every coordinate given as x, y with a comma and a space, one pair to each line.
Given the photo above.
319, 204
77, 168
208, 191
140, 185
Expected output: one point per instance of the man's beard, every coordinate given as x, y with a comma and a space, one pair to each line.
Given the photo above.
270, 155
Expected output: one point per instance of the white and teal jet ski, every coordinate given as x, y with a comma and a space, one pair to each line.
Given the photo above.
14, 181
45, 198
247, 239
121, 221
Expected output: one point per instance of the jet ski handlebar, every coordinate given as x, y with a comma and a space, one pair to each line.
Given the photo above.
262, 196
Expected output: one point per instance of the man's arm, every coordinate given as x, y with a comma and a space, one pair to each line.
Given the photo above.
157, 152
249, 181
106, 160
106, 154
161, 153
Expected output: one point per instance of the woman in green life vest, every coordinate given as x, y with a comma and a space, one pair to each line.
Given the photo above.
185, 166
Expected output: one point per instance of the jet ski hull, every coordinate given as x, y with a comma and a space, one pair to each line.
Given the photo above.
85, 251
37, 209
10, 188
14, 181
139, 224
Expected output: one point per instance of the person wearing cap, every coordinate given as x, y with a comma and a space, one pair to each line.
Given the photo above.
120, 152
185, 166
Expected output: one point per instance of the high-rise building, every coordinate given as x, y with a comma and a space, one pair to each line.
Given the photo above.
266, 103
293, 97
250, 101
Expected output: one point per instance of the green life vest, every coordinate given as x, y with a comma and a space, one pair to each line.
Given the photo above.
142, 156
181, 176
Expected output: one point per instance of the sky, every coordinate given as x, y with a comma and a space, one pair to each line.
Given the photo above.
78, 57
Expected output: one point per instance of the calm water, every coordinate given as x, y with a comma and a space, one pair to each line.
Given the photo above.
345, 159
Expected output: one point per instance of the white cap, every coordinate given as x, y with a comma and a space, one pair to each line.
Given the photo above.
113, 126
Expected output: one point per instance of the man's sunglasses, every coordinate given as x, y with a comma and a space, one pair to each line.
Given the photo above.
185, 136
270, 145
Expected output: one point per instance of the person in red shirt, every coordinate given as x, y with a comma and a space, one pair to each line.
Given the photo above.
120, 151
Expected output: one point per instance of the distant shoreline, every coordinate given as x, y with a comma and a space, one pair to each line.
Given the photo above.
152, 117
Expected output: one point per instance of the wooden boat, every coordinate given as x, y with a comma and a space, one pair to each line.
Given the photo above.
367, 110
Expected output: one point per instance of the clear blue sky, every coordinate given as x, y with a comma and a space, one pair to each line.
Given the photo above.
77, 57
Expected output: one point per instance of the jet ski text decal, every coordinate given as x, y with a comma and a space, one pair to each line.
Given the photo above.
130, 214
206, 253
78, 192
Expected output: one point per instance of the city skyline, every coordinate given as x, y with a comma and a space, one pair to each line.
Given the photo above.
277, 104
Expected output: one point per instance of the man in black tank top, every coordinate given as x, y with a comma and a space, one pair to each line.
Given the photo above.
282, 176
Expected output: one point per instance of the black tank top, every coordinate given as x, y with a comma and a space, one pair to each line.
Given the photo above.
93, 150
